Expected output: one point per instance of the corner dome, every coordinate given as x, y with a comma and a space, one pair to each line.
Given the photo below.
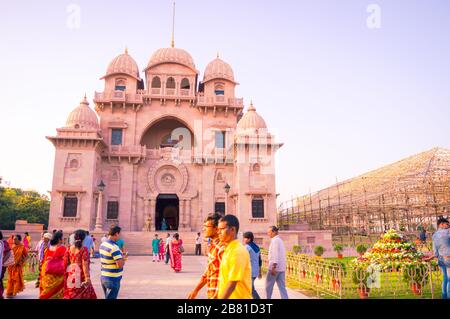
218, 69
172, 55
83, 117
123, 64
251, 121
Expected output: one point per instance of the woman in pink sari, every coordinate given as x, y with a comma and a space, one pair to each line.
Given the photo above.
175, 251
161, 251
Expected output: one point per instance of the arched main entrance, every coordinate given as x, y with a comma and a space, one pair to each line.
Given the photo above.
167, 212
168, 132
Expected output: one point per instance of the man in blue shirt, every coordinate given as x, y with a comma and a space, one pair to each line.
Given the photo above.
441, 248
255, 260
88, 242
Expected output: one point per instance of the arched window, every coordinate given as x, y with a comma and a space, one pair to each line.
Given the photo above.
121, 84
70, 205
256, 168
258, 207
156, 82
219, 89
170, 83
74, 163
185, 84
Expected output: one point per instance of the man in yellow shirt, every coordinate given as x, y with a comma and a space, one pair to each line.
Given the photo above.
235, 274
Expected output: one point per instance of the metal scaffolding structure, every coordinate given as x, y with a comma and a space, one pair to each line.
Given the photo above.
405, 195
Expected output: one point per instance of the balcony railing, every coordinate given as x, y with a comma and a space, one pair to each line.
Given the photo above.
219, 100
117, 96
128, 150
170, 91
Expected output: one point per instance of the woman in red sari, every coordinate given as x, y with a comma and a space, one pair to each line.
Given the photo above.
52, 272
77, 281
175, 253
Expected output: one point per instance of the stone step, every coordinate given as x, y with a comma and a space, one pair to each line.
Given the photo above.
140, 243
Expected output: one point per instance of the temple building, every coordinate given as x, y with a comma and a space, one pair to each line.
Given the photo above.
162, 151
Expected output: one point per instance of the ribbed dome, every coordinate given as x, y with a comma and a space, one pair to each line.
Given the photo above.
172, 55
123, 64
251, 121
83, 117
218, 69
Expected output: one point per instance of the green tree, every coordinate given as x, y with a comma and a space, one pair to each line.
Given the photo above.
27, 205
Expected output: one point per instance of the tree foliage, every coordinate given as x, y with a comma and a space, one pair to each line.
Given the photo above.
17, 204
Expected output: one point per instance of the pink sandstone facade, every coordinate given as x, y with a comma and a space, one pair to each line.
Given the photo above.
165, 147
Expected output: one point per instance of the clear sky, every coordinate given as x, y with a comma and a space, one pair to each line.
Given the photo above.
344, 96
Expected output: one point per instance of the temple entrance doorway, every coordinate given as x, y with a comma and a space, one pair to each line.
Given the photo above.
167, 212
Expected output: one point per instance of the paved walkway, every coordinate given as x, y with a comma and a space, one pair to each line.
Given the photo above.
144, 279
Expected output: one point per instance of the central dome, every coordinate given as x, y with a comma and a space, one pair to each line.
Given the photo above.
218, 69
172, 55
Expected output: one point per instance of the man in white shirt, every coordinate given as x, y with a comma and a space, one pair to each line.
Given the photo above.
198, 245
277, 264
166, 247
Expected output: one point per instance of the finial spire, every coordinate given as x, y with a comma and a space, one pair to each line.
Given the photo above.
251, 107
85, 101
172, 44
217, 54
126, 50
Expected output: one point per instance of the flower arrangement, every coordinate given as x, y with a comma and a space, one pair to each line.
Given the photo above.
391, 252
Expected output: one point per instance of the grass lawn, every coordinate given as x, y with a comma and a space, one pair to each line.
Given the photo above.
391, 286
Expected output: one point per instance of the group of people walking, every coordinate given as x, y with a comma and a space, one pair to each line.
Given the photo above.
64, 272
232, 267
169, 250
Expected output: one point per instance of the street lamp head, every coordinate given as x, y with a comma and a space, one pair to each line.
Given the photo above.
227, 188
101, 186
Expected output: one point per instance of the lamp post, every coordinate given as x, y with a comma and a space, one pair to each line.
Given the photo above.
227, 190
99, 219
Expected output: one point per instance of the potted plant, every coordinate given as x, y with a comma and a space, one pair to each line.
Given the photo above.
319, 250
415, 274
361, 249
359, 277
297, 249
338, 248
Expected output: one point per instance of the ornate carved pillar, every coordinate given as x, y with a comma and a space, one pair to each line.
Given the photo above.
188, 214
146, 213
151, 214
181, 222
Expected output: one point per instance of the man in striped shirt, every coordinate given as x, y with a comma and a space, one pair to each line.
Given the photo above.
210, 277
112, 262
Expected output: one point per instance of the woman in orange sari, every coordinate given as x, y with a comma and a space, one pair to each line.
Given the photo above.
52, 272
16, 283
77, 281
175, 252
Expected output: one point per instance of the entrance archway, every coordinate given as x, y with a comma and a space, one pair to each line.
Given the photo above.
168, 132
167, 212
